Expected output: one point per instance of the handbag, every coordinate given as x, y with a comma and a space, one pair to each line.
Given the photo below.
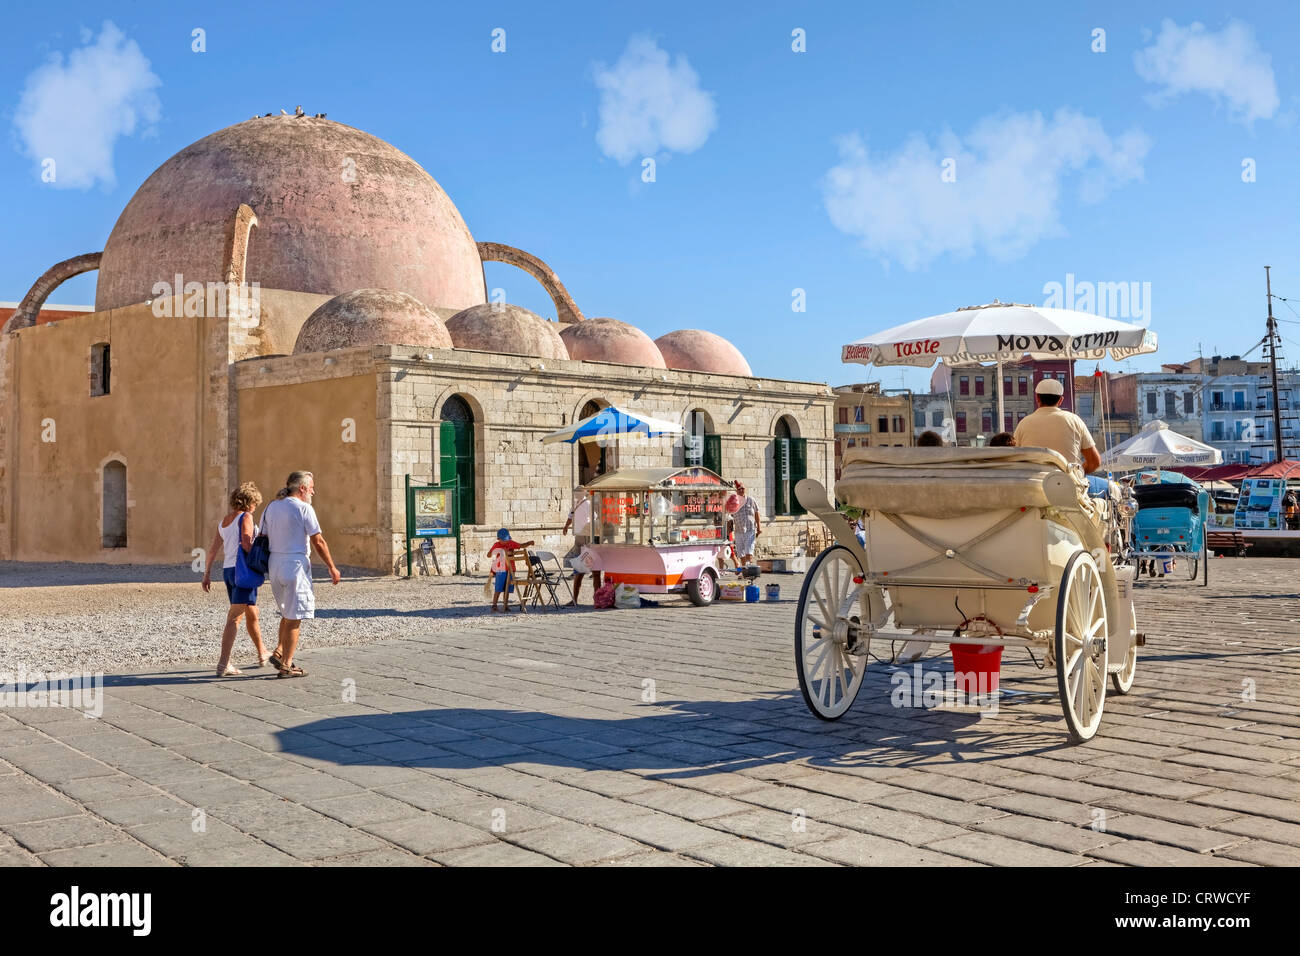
247, 576
258, 558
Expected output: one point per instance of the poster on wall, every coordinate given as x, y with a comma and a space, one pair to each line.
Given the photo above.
433, 516
1260, 504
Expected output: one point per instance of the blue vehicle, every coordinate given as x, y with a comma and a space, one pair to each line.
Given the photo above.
1169, 527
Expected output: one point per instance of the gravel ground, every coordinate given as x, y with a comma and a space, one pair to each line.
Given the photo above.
114, 617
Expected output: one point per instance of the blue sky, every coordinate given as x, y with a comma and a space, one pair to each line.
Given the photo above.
775, 170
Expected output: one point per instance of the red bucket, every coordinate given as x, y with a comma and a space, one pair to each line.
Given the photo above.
976, 668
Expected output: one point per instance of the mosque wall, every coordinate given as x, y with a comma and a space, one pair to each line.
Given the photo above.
61, 437
326, 425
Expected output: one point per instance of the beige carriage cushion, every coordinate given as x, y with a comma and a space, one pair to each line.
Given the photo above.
950, 482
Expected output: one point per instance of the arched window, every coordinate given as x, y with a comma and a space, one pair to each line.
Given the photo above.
114, 505
594, 457
456, 455
700, 446
789, 465
99, 367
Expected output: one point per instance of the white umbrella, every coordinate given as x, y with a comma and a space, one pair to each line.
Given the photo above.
1001, 332
1159, 446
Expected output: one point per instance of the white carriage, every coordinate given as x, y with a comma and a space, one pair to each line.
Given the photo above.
982, 546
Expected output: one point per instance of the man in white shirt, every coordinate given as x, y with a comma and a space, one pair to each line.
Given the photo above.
1052, 427
292, 529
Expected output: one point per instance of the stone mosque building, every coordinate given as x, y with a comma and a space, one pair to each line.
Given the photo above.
293, 293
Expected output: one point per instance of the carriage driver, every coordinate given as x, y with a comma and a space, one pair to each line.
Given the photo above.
1050, 426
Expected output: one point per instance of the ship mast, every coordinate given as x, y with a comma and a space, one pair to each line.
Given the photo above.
1272, 354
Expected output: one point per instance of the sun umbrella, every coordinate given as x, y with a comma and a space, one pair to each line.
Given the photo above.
1159, 446
1001, 332
613, 421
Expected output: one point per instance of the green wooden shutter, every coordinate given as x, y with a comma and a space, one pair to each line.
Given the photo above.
713, 453
456, 459
798, 471
778, 450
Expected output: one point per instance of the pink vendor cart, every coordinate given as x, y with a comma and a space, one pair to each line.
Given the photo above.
660, 530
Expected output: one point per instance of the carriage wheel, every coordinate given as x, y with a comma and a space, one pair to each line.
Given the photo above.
1205, 562
1080, 645
824, 626
1194, 565
1122, 681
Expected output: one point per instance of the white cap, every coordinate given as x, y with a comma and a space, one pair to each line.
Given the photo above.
1049, 386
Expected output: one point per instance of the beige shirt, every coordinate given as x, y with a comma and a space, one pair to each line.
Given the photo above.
1052, 427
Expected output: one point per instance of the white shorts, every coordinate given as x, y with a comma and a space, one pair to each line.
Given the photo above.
290, 576
744, 543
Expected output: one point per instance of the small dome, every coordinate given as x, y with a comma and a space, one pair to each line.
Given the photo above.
506, 329
609, 340
371, 317
698, 351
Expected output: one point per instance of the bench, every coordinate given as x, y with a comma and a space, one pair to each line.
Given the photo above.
1221, 541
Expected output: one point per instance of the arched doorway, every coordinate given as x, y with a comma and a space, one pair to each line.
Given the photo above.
114, 505
594, 458
456, 455
789, 465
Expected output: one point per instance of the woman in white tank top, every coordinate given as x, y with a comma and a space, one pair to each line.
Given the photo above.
235, 531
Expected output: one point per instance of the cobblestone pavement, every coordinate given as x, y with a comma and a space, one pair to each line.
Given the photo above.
527, 741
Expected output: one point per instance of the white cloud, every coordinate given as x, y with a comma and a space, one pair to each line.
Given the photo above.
649, 104
1227, 66
1010, 171
73, 111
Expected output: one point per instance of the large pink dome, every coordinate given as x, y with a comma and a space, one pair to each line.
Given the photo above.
609, 340
371, 317
699, 351
506, 329
337, 209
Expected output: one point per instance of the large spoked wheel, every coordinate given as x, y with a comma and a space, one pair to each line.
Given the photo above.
704, 589
1194, 562
1205, 561
1081, 646
825, 627
1122, 680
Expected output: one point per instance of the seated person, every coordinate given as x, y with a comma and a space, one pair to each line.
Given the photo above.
1050, 426
929, 440
1002, 440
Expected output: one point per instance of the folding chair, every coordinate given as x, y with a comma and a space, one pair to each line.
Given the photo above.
524, 576
553, 578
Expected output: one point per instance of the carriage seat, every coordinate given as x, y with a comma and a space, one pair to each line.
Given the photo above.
954, 482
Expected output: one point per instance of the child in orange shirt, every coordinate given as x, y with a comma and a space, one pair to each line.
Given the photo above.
501, 564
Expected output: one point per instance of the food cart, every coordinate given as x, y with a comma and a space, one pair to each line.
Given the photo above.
661, 530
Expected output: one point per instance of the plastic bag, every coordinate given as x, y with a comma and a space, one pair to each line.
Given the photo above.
626, 596
604, 596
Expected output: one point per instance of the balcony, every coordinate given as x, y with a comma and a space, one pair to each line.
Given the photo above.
853, 428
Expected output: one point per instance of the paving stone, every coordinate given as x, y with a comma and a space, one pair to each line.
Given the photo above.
687, 804
118, 853
1263, 828
244, 851
1264, 854
427, 833
386, 857
63, 833
994, 850
576, 844
319, 838
1049, 833
494, 854
306, 786
1142, 853
864, 849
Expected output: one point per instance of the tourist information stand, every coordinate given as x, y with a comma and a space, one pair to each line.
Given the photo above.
431, 514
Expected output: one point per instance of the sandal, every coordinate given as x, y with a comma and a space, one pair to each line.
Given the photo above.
230, 671
293, 670
274, 661
263, 661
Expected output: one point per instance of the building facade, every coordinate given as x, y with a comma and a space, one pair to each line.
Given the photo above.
973, 393
867, 416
